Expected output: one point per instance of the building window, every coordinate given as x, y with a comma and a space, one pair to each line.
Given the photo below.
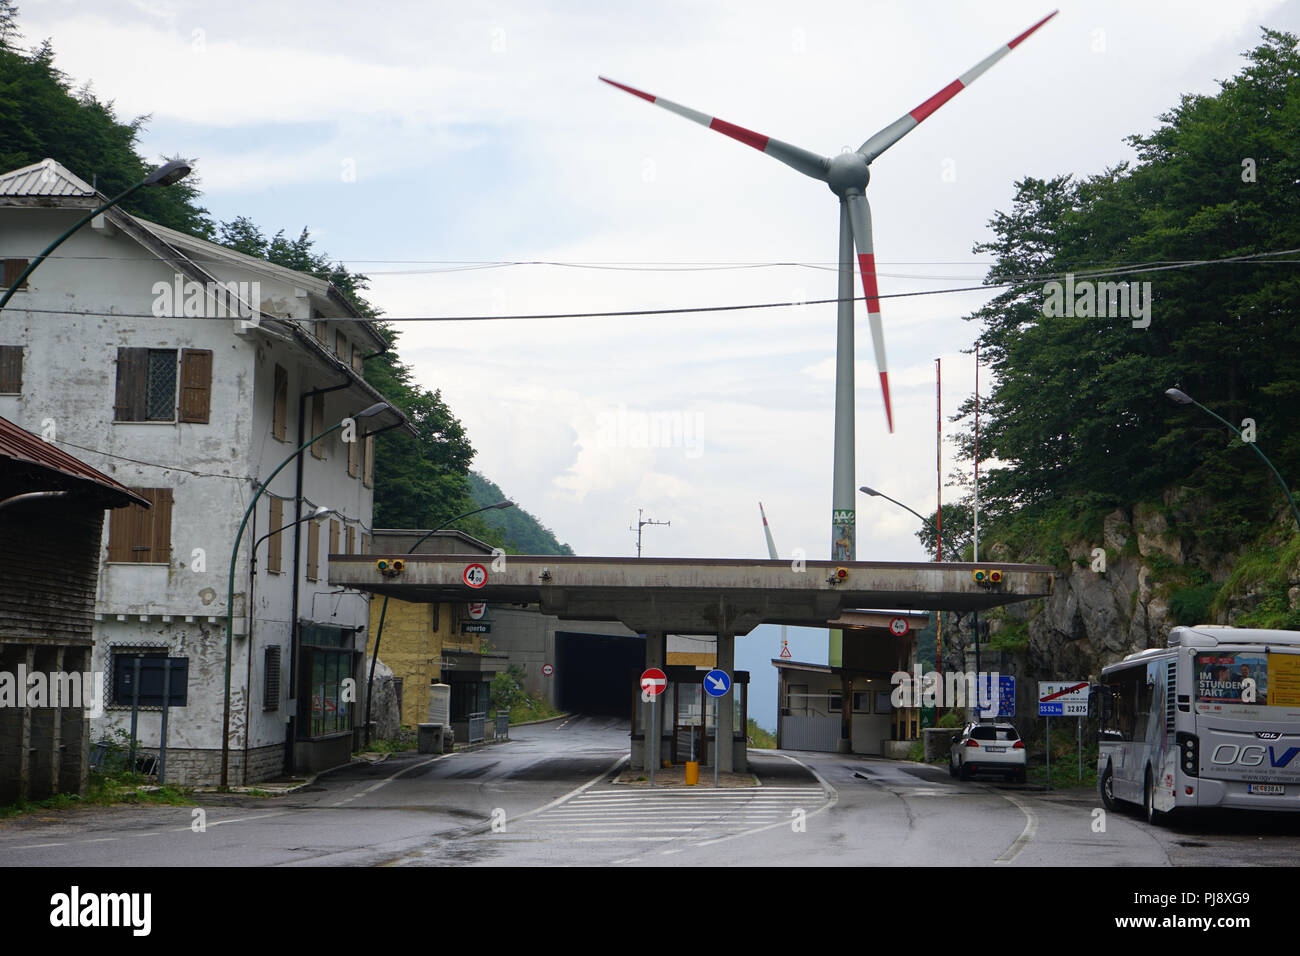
313, 550
11, 369
273, 544
147, 385
271, 684
328, 661
317, 425
340, 347
150, 690
368, 471
139, 534
13, 268
280, 414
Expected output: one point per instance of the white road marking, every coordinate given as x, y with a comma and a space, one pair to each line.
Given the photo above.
1027, 834
389, 779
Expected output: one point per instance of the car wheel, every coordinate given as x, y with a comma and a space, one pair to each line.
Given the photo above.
1108, 789
952, 767
964, 773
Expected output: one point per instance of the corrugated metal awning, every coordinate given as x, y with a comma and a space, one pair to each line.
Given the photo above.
19, 447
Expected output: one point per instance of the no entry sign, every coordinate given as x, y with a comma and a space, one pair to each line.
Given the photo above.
654, 681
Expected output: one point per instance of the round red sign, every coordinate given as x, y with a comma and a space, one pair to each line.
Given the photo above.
654, 681
898, 626
475, 576
547, 670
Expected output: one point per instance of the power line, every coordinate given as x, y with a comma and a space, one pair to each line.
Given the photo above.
1262, 258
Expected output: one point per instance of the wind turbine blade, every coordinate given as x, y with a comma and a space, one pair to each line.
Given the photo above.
767, 531
891, 134
808, 163
860, 218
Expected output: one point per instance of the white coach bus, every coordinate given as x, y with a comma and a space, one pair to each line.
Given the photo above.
1213, 720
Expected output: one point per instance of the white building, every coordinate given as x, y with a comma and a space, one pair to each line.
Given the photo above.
189, 372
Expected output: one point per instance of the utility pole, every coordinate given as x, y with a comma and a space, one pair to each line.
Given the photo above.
641, 522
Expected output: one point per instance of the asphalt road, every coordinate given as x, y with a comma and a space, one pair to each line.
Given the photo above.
546, 798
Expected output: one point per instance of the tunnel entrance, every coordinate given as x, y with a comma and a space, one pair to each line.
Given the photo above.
597, 673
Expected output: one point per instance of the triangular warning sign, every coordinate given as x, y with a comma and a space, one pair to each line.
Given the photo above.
785, 649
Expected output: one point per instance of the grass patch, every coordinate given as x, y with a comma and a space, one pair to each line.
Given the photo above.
406, 739
1065, 760
105, 791
758, 737
532, 708
1012, 637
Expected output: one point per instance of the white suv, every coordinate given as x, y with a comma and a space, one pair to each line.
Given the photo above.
988, 748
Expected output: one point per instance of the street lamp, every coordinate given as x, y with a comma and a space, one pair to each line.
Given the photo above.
164, 175
1179, 397
383, 611
370, 412
930, 524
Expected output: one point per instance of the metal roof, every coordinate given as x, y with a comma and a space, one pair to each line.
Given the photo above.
45, 179
19, 448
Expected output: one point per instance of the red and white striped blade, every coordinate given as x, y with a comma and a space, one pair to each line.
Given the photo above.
806, 162
891, 134
860, 218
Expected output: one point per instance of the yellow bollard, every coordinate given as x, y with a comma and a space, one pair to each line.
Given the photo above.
692, 772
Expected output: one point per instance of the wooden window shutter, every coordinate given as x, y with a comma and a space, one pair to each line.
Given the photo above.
358, 365
162, 526
334, 536
124, 525
321, 334
340, 346
275, 523
132, 385
280, 414
196, 386
271, 690
365, 544
352, 540
368, 473
313, 549
354, 456
11, 369
13, 269
317, 425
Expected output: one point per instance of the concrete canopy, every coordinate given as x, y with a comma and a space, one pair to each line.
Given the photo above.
692, 595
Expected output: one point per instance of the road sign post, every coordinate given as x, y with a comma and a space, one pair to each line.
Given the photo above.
716, 684
653, 683
1062, 698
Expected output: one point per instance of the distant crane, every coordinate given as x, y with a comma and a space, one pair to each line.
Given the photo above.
641, 522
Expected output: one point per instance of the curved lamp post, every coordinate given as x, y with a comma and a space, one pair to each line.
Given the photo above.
926, 521
383, 611
1179, 397
370, 412
164, 175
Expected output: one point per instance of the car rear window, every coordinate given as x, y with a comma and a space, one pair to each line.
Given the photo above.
995, 733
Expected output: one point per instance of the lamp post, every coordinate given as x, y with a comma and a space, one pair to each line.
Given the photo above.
926, 521
164, 175
1179, 397
383, 611
373, 410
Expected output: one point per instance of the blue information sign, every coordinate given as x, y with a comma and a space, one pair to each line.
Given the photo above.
717, 683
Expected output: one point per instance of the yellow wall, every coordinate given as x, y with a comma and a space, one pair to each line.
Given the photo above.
685, 659
414, 649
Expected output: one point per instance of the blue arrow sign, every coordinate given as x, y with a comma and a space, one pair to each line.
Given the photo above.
717, 683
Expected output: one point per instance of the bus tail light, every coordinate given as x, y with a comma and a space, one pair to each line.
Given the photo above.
1189, 753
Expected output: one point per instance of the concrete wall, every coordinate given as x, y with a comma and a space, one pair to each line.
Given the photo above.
69, 376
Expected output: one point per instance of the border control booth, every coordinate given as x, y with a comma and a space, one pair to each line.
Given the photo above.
723, 597
688, 719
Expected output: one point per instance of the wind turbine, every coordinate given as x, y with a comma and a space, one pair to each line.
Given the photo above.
847, 176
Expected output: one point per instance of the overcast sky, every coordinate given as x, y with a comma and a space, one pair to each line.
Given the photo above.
416, 138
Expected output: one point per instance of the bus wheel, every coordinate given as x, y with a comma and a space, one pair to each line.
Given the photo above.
1154, 816
1108, 789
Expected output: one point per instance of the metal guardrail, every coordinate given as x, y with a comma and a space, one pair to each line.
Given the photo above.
477, 730
503, 726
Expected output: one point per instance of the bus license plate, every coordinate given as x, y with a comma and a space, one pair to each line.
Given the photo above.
1271, 789
997, 750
